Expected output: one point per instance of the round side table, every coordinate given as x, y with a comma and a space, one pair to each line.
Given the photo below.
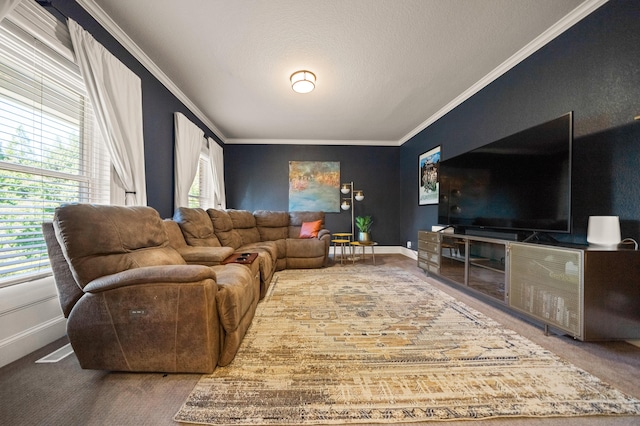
342, 242
365, 244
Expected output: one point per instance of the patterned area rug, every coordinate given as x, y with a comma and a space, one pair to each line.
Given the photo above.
378, 345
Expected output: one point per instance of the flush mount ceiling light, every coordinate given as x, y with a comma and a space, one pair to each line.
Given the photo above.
303, 81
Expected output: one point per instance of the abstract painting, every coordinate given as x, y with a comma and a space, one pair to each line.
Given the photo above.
314, 186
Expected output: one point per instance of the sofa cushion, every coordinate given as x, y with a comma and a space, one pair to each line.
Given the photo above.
310, 229
272, 226
99, 240
198, 255
241, 218
174, 233
305, 253
245, 225
208, 256
236, 294
223, 227
196, 227
221, 220
297, 247
296, 219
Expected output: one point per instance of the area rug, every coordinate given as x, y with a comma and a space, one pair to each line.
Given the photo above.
372, 344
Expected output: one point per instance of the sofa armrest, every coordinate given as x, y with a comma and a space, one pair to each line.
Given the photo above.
324, 234
151, 274
156, 318
208, 256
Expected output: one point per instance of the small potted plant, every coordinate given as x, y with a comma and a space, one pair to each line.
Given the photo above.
364, 226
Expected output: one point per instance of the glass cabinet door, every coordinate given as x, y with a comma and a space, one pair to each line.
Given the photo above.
487, 262
452, 259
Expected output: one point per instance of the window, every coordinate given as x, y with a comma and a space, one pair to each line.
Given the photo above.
50, 151
199, 193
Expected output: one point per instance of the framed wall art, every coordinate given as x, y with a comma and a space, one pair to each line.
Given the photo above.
314, 186
429, 185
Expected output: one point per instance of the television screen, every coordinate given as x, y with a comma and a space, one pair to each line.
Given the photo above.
521, 182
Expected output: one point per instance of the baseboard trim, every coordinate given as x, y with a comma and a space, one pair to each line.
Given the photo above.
32, 339
392, 250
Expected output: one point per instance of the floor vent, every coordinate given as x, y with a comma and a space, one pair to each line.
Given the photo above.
57, 355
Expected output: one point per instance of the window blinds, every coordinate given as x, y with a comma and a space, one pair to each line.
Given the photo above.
50, 151
201, 188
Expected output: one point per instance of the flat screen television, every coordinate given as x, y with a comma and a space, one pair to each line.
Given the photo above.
519, 183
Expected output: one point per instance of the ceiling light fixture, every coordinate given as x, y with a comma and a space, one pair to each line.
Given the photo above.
303, 81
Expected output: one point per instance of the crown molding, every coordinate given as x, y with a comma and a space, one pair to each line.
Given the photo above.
114, 29
551, 33
325, 142
554, 31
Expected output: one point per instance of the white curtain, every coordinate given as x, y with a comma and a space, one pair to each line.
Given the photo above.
6, 6
216, 161
188, 143
116, 95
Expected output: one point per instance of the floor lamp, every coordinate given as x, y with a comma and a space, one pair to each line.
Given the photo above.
347, 203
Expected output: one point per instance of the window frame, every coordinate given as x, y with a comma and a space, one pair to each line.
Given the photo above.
91, 181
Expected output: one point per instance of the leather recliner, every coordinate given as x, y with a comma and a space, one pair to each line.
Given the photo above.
131, 301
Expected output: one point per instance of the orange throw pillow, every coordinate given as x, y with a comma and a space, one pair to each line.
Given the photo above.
310, 229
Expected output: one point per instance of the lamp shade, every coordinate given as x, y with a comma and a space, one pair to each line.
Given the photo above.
303, 81
603, 231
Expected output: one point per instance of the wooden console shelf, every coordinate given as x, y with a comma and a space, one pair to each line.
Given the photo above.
587, 293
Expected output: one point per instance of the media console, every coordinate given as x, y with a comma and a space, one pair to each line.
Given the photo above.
587, 293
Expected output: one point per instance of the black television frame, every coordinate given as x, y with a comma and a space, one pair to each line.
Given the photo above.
559, 134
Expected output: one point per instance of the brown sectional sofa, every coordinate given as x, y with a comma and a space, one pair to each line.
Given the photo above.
274, 235
145, 294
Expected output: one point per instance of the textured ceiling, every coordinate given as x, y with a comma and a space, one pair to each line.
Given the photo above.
385, 68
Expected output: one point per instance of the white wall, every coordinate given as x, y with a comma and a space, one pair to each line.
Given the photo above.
30, 318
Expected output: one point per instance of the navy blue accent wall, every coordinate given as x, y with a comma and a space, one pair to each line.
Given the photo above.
593, 69
257, 178
158, 105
